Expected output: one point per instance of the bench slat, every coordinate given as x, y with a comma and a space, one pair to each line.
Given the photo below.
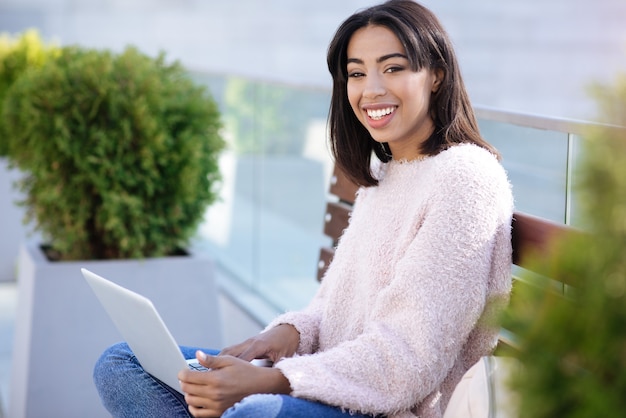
533, 238
336, 219
326, 256
342, 187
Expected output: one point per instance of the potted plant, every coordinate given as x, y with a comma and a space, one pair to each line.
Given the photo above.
121, 156
17, 54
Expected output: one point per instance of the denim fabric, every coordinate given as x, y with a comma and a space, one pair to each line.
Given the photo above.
284, 406
126, 390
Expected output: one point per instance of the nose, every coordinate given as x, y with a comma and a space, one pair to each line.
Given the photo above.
374, 86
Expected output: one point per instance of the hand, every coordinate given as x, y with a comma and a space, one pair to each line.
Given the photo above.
228, 381
277, 343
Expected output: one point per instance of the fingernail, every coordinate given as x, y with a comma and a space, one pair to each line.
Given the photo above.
201, 354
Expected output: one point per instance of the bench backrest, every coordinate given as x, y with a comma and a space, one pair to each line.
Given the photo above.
531, 236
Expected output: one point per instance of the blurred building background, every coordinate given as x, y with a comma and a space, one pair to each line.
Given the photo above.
530, 56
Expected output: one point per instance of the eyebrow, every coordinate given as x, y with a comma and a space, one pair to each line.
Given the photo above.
380, 59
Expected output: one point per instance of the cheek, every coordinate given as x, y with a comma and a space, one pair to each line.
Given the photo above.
419, 99
353, 98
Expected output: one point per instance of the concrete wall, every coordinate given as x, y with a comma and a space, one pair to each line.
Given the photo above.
533, 56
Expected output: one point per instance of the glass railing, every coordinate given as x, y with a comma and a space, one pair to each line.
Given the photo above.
266, 231
540, 155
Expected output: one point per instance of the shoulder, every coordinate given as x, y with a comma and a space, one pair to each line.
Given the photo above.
459, 169
468, 155
468, 161
468, 172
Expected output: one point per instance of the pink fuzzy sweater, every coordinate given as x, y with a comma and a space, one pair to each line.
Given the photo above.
405, 307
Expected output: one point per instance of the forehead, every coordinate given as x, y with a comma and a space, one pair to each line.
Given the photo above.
373, 41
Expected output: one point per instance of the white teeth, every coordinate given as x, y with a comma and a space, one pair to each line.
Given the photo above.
379, 113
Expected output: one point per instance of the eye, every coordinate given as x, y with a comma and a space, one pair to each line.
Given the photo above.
355, 74
394, 69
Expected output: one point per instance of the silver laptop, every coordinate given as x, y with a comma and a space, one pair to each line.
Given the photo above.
141, 326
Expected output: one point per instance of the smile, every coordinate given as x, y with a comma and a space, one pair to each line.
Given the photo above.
378, 114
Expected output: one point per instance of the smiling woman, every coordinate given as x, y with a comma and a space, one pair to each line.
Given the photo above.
387, 64
407, 304
389, 99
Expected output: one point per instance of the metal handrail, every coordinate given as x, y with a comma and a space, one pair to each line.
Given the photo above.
565, 125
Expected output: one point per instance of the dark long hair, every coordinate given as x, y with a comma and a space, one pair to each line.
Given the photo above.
427, 46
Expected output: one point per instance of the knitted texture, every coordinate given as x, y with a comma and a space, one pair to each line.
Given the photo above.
407, 305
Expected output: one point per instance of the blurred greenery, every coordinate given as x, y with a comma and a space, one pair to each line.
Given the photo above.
120, 152
574, 350
18, 53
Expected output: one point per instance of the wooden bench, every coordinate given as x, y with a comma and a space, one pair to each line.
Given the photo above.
531, 237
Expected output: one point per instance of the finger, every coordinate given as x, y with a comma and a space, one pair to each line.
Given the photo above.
257, 350
235, 350
191, 378
230, 351
207, 361
248, 350
195, 377
200, 406
215, 362
192, 385
202, 358
201, 412
247, 355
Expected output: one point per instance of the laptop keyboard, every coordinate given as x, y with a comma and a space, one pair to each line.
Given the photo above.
197, 366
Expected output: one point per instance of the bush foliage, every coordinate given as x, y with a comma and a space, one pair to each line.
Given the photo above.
120, 150
17, 54
574, 351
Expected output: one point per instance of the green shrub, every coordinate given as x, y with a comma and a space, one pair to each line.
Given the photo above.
17, 54
120, 150
574, 352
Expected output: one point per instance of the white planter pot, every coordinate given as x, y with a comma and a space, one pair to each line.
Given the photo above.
12, 231
61, 328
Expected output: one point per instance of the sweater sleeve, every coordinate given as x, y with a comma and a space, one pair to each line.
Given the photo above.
306, 321
421, 319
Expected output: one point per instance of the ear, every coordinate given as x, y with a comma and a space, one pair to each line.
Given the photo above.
439, 74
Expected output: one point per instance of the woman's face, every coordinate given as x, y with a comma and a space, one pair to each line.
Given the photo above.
387, 97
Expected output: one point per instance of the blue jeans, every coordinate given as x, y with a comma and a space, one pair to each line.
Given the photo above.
126, 390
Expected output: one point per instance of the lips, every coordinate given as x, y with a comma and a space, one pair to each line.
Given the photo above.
380, 115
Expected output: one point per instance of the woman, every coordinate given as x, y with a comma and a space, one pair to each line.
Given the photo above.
406, 307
